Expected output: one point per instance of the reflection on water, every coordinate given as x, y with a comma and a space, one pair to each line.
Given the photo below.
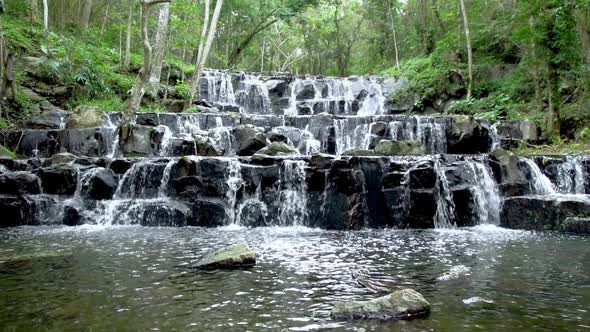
133, 278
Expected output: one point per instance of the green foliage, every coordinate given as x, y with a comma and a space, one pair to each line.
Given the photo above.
113, 104
8, 152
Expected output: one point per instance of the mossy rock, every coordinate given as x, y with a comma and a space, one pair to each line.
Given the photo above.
576, 226
400, 148
359, 153
32, 256
6, 153
235, 257
400, 305
277, 149
85, 117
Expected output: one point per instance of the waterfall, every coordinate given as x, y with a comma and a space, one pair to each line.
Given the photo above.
234, 182
374, 103
539, 183
445, 207
292, 109
487, 195
165, 142
293, 196
188, 124
112, 131
253, 96
219, 87
426, 130
494, 137
350, 135
163, 190
571, 177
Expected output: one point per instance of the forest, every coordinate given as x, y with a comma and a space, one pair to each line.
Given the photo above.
494, 59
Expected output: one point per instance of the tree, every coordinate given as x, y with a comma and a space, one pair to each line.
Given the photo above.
46, 15
85, 15
160, 44
203, 51
138, 89
33, 11
394, 37
128, 38
469, 50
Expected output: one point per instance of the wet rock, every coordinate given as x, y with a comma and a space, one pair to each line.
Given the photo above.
508, 174
306, 93
206, 148
102, 185
275, 137
543, 213
50, 119
120, 166
85, 117
71, 216
143, 141
576, 226
399, 148
182, 147
249, 140
230, 258
170, 214
16, 211
208, 212
19, 183
400, 305
61, 159
253, 214
147, 119
188, 187
467, 136
278, 149
359, 153
58, 180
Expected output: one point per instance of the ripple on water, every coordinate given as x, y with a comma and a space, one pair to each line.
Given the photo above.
116, 277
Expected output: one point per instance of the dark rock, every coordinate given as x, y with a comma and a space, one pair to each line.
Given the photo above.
206, 148
172, 214
308, 92
508, 174
379, 128
249, 139
19, 183
275, 137
16, 211
359, 153
102, 185
120, 166
188, 187
61, 159
51, 119
143, 141
58, 180
182, 147
403, 304
147, 119
467, 136
543, 213
576, 226
208, 213
71, 216
253, 213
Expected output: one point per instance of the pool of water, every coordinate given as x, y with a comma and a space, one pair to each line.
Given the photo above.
93, 278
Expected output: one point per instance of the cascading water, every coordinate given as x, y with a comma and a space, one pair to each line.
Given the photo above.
487, 196
293, 196
351, 135
374, 103
571, 177
234, 182
445, 207
539, 183
422, 129
219, 87
252, 95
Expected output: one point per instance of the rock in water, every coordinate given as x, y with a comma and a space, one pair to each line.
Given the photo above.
277, 149
85, 117
403, 304
234, 257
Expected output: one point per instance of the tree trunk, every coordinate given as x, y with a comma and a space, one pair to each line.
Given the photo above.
159, 47
202, 58
46, 15
138, 89
552, 116
105, 19
128, 41
469, 50
235, 55
85, 17
8, 80
399, 70
33, 13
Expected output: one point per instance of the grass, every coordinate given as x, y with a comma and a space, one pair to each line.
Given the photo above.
560, 148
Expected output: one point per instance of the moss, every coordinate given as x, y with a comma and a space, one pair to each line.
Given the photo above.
6, 151
234, 257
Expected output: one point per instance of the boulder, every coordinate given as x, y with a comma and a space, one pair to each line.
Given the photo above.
19, 183
576, 226
399, 148
58, 180
467, 136
508, 174
400, 305
249, 140
16, 211
143, 141
208, 212
85, 117
545, 213
379, 128
50, 119
234, 257
277, 149
71, 216
102, 185
61, 159
164, 214
307, 92
120, 166
206, 148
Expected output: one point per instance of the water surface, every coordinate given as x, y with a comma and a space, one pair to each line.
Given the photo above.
94, 278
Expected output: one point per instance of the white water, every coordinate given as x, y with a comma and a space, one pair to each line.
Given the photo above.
293, 196
234, 182
445, 207
571, 177
488, 201
539, 183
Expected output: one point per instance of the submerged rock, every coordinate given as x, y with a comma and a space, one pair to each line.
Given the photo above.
234, 257
400, 305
